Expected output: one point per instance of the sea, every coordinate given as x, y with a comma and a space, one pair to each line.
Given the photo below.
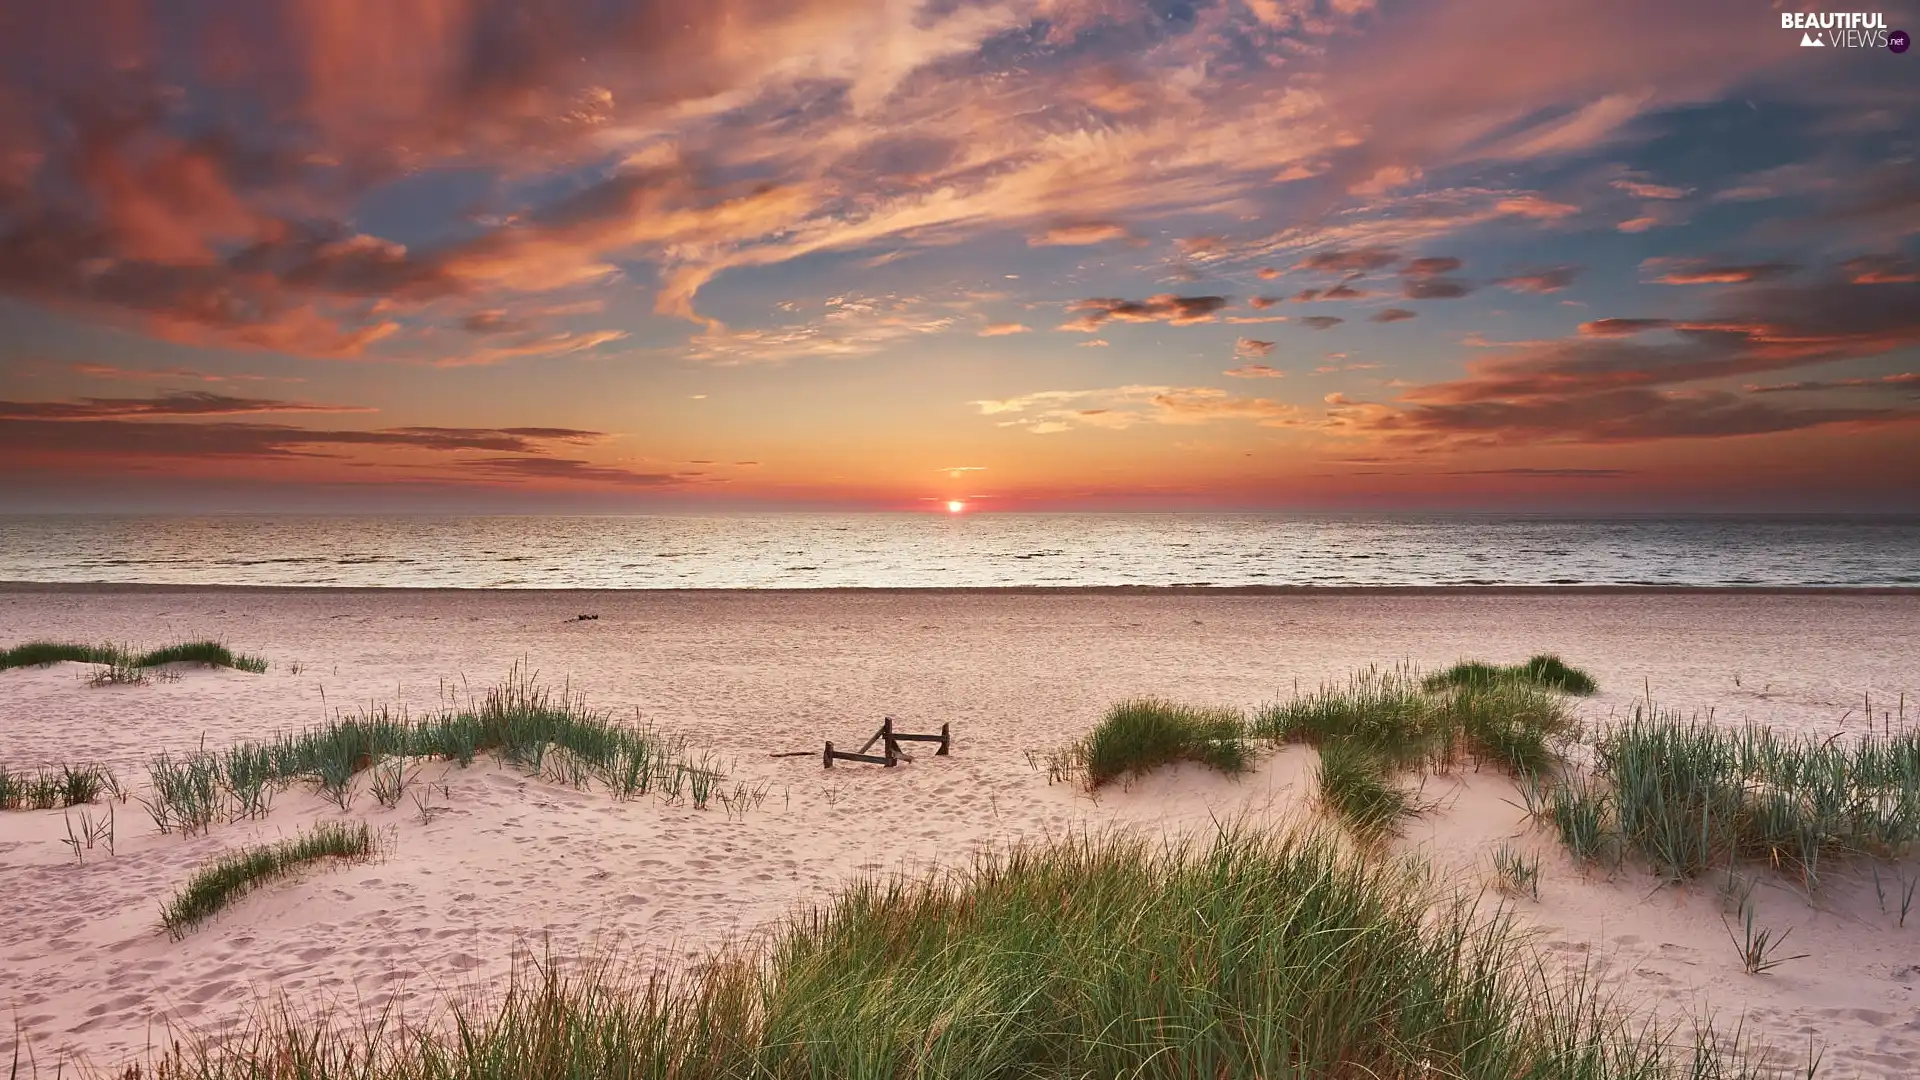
967, 550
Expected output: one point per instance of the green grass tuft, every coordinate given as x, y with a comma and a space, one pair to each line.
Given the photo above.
1543, 670
1279, 957
238, 872
54, 788
42, 653
1356, 784
1550, 671
1690, 796
519, 722
1579, 813
1384, 709
1509, 723
211, 653
1515, 872
1142, 735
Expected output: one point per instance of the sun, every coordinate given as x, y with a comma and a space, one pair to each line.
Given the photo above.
954, 506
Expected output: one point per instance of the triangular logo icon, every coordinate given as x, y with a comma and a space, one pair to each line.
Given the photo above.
1807, 40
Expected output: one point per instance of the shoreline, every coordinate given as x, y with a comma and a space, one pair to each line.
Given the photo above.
108, 588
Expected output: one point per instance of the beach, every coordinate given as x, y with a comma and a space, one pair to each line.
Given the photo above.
514, 863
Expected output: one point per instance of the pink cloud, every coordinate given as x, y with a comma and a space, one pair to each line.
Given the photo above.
1254, 371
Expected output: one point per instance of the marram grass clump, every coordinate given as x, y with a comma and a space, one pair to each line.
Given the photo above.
1356, 784
520, 722
1545, 670
239, 872
1383, 722
50, 788
1144, 734
1689, 796
1253, 955
210, 653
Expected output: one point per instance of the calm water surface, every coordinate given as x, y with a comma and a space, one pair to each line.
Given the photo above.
917, 550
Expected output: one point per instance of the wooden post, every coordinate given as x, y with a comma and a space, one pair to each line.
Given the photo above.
885, 732
945, 741
827, 758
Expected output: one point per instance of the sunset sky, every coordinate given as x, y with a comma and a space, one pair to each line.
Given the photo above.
1029, 254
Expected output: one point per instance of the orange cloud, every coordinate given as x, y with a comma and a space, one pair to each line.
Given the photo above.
1622, 327
1255, 371
1603, 388
1082, 234
1881, 270
1641, 190
1693, 272
1049, 412
1540, 281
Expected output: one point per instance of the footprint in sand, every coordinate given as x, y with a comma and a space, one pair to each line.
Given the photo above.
209, 992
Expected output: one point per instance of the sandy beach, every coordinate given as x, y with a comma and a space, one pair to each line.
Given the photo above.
520, 863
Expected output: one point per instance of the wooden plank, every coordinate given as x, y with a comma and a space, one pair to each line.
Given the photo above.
886, 729
833, 755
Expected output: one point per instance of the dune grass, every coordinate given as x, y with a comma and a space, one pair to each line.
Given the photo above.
1144, 734
1385, 709
519, 722
1688, 796
1544, 669
53, 788
1255, 955
1356, 784
41, 653
1382, 722
210, 653
238, 872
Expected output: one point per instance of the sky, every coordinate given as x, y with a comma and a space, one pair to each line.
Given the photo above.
1024, 255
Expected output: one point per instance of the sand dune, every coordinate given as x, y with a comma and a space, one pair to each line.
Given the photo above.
519, 862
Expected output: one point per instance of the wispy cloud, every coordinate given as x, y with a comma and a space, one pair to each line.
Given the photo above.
1255, 371
110, 371
1550, 280
181, 403
1702, 272
843, 326
1623, 327
1903, 379
1641, 190
1603, 387
1049, 412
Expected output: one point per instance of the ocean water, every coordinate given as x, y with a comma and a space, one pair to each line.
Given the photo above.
967, 550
